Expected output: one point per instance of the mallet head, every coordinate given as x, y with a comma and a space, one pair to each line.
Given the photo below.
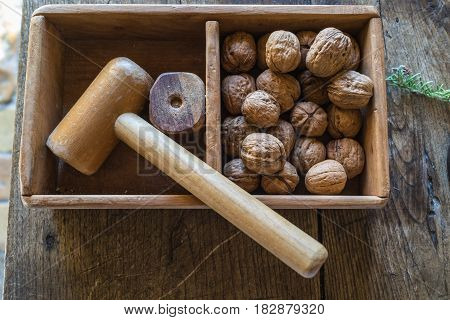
85, 137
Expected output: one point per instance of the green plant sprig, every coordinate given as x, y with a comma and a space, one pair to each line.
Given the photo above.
403, 78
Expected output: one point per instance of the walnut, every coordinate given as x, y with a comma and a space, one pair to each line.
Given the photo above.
234, 90
261, 59
283, 182
314, 89
329, 53
307, 152
309, 119
349, 153
238, 52
261, 109
326, 177
350, 90
285, 133
283, 87
306, 39
283, 51
234, 132
354, 56
263, 153
343, 122
239, 174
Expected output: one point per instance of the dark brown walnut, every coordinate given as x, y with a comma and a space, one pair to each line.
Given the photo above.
261, 58
309, 119
283, 51
350, 90
234, 90
343, 122
235, 129
285, 133
307, 152
261, 109
349, 153
263, 153
306, 39
354, 56
238, 52
326, 177
239, 174
314, 89
283, 182
283, 87
329, 53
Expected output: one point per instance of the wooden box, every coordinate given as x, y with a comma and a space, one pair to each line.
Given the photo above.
69, 44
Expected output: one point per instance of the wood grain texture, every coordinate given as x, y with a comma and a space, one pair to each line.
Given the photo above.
402, 251
213, 102
85, 136
77, 22
375, 179
177, 102
186, 201
43, 100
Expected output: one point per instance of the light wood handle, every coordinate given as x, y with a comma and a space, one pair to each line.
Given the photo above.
283, 239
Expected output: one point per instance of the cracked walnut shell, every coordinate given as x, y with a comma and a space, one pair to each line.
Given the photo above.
285, 133
314, 89
283, 182
349, 153
283, 87
343, 122
307, 152
329, 53
235, 130
283, 51
234, 90
263, 153
261, 109
236, 171
350, 90
309, 119
306, 39
261, 57
326, 177
238, 52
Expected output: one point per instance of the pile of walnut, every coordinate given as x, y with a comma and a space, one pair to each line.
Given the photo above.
276, 131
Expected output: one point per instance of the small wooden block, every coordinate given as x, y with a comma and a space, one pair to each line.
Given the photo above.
177, 102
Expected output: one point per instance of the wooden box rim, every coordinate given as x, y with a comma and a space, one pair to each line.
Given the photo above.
240, 9
189, 201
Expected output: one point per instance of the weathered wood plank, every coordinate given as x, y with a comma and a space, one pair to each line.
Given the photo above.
399, 252
402, 252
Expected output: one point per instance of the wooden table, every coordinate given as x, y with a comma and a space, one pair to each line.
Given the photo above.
401, 252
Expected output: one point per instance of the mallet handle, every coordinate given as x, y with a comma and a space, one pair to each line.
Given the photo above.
283, 239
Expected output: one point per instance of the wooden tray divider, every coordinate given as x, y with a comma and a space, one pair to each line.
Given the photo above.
213, 107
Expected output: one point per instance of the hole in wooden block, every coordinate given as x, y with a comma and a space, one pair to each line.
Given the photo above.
176, 101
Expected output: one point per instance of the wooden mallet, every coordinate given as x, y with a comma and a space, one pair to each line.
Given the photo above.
92, 127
